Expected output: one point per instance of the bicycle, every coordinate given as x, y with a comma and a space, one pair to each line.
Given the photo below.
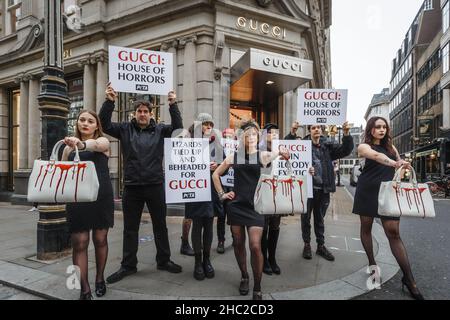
440, 187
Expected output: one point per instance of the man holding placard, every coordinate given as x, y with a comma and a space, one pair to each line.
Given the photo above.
142, 142
323, 154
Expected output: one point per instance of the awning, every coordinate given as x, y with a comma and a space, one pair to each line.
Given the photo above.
268, 71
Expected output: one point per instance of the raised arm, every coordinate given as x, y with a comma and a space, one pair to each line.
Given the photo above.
105, 115
175, 116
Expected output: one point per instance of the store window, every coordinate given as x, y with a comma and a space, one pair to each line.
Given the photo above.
12, 15
75, 93
445, 61
445, 17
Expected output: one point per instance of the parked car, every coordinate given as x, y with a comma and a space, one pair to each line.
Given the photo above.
355, 171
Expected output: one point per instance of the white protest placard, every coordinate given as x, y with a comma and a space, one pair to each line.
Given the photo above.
140, 71
187, 173
322, 106
230, 146
300, 157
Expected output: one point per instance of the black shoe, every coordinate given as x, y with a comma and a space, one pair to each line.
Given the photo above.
100, 288
267, 269
413, 291
244, 287
257, 295
120, 274
323, 252
86, 296
274, 266
186, 249
199, 272
307, 254
208, 268
170, 266
221, 247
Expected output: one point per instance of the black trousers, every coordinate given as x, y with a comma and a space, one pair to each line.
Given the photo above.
318, 205
134, 198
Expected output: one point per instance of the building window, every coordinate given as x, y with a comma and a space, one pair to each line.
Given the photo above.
428, 5
12, 16
445, 61
445, 17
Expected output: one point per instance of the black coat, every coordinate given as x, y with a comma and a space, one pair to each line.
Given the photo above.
332, 151
142, 149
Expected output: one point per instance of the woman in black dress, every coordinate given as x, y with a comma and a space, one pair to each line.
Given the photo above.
381, 160
241, 214
202, 213
97, 216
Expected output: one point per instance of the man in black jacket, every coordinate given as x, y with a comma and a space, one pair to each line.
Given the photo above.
142, 143
323, 154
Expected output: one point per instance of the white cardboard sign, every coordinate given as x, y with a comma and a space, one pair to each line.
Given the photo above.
140, 71
229, 147
187, 172
300, 157
322, 106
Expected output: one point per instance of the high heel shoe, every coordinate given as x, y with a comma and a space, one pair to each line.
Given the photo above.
415, 294
257, 295
244, 287
100, 288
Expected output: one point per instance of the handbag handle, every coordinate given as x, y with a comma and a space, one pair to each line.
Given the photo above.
412, 177
54, 154
288, 167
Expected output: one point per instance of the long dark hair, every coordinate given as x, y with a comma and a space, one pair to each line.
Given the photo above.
98, 133
386, 142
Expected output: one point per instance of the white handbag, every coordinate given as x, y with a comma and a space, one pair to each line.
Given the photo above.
410, 199
56, 181
281, 194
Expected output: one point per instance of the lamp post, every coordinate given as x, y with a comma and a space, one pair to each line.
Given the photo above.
53, 240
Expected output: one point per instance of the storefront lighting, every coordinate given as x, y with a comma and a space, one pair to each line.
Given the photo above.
270, 82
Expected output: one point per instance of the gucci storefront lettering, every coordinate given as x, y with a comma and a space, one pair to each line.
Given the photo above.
261, 27
283, 64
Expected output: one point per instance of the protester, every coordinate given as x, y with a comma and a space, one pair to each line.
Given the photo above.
292, 135
241, 215
381, 160
142, 142
202, 213
97, 216
323, 154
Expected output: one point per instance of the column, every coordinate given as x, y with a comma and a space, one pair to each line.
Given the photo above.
102, 80
23, 124
4, 134
446, 108
189, 108
34, 122
170, 47
89, 97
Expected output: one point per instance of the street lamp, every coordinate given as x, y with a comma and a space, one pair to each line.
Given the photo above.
53, 240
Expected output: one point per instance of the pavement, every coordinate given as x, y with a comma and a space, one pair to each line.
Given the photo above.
301, 279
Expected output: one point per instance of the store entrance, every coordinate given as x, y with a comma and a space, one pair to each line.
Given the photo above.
253, 98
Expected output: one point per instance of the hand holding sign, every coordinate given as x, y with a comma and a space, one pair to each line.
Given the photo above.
111, 95
346, 128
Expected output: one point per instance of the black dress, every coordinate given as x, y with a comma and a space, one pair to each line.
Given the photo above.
86, 216
368, 187
241, 210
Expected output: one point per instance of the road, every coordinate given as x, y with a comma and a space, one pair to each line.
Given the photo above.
7, 293
428, 246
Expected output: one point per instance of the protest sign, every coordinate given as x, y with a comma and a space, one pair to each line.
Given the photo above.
229, 147
187, 173
140, 71
300, 157
322, 106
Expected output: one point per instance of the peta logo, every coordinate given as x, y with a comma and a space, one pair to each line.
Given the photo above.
73, 281
141, 87
321, 120
374, 280
188, 195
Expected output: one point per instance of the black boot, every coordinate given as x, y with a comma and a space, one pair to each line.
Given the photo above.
207, 267
186, 248
272, 242
199, 274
